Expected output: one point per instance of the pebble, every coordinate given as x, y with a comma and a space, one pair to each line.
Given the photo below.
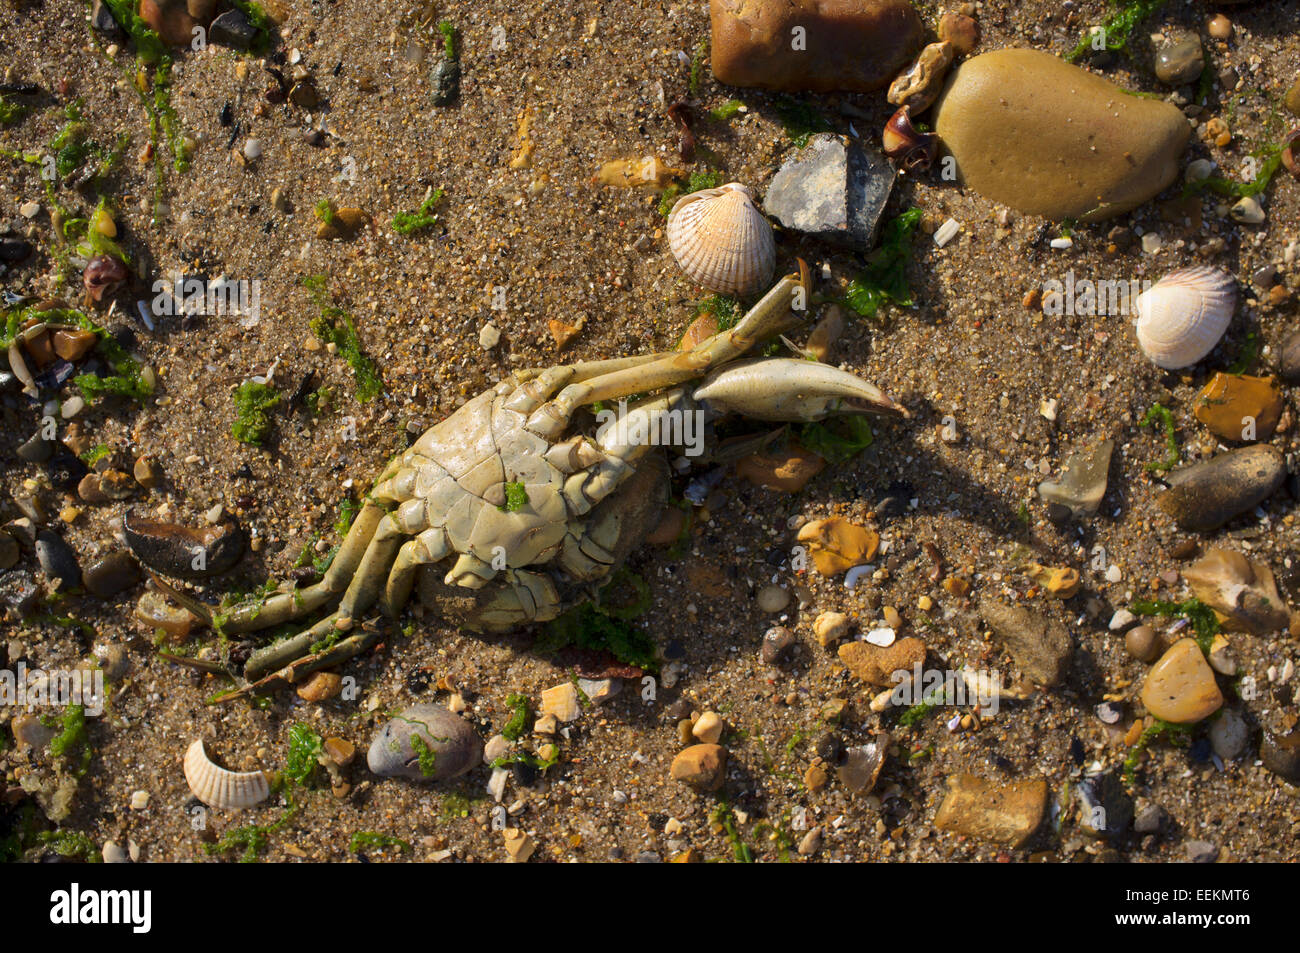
1143, 643
832, 190
1149, 819
1280, 752
859, 46
19, 592
1219, 27
252, 149
918, 86
1041, 647
489, 337
1205, 495
1001, 812
445, 80
1180, 60
9, 551
1106, 808
1291, 358
773, 599
1293, 97
777, 643
708, 728
788, 471
320, 686
147, 472
112, 574
14, 250
37, 449
1180, 687
1201, 852
1085, 149
454, 742
701, 766
113, 660
562, 702
1229, 735
29, 210
600, 691
831, 627
1248, 211
58, 561
139, 800
876, 666
114, 854
810, 843
961, 31
71, 407
1121, 620
30, 733
519, 845
153, 610
861, 765
1238, 407
175, 550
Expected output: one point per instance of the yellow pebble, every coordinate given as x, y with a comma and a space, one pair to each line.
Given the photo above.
925, 603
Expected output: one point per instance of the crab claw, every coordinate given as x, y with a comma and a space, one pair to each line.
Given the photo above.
787, 389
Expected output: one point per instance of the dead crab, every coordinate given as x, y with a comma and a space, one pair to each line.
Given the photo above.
507, 512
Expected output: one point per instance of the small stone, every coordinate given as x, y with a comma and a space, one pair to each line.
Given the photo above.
37, 449
101, 19
344, 224
1041, 647
29, 210
1229, 735
562, 702
14, 250
918, 86
320, 686
9, 551
1293, 97
1149, 819
58, 561
1121, 620
496, 748
1061, 582
1291, 358
113, 660
772, 599
1219, 27
489, 337
810, 843
837, 545
600, 691
114, 854
147, 472
832, 190
1180, 61
961, 31
1143, 643
19, 593
425, 743
30, 733
1247, 211
546, 725
1181, 686
859, 46
777, 643
304, 95
815, 778
233, 29
1002, 812
831, 627
71, 407
1204, 496
153, 611
112, 574
139, 800
252, 149
708, 728
702, 766
1083, 482
788, 471
1238, 407
1106, 808
1201, 852
116, 485
861, 765
1280, 752
876, 665
519, 845
445, 79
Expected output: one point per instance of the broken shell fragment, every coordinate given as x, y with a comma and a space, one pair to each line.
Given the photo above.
900, 140
1182, 317
183, 552
103, 275
220, 787
1242, 591
722, 241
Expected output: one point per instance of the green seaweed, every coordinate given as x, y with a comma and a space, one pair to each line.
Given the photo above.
593, 626
516, 498
406, 223
253, 402
1246, 356
127, 379
11, 112
697, 66
372, 840
324, 210
1157, 729
425, 756
1160, 413
1118, 27
725, 817
518, 723
335, 326
305, 746
695, 182
448, 31
348, 511
726, 110
885, 279
838, 439
800, 120
73, 742
71, 844
1202, 618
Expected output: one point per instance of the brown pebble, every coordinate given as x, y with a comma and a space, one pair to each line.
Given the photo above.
320, 687
1219, 27
1143, 643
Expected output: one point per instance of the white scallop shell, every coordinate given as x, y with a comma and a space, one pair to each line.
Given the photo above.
218, 787
722, 241
1184, 314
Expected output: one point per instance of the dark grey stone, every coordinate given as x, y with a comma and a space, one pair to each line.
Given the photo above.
19, 593
446, 82
14, 249
233, 29
112, 574
58, 561
833, 190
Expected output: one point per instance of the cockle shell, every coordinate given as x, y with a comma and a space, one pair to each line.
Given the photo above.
219, 787
1183, 315
722, 241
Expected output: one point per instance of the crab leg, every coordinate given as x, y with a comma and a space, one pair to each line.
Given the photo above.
286, 606
288, 670
761, 321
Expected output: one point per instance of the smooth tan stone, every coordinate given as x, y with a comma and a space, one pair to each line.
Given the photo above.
701, 766
1002, 812
1181, 686
848, 45
1031, 131
1232, 405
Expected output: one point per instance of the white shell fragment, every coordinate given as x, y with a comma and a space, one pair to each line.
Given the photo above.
218, 787
1182, 316
722, 241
